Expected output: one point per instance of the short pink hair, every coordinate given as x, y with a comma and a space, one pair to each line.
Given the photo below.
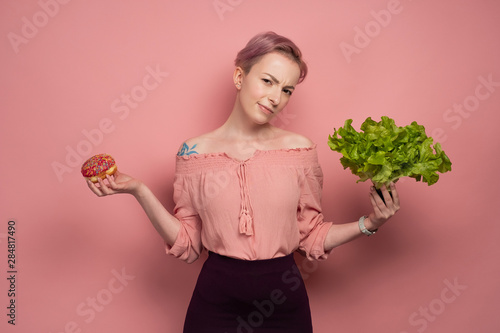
265, 43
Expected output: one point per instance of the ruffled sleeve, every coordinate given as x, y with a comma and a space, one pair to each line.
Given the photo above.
313, 229
188, 244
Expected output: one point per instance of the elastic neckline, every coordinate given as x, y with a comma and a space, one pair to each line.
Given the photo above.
255, 154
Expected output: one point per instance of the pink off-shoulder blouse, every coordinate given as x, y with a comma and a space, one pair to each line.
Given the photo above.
264, 207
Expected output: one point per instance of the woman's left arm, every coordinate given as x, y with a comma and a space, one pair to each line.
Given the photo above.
339, 234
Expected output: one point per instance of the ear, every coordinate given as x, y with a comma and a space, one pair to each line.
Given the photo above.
238, 76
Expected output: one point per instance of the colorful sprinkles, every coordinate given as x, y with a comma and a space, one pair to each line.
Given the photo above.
97, 164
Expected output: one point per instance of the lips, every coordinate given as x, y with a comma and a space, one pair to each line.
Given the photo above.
265, 109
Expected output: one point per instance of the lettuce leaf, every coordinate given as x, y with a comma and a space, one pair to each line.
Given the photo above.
384, 152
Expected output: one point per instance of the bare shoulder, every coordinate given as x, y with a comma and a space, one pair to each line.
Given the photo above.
195, 145
293, 140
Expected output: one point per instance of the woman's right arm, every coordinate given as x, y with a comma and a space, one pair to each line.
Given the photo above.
165, 223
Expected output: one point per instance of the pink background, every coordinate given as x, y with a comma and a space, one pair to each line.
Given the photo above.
65, 74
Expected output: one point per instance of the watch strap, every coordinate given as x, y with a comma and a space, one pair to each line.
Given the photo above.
362, 227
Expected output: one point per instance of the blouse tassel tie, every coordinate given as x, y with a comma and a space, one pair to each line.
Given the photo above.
246, 213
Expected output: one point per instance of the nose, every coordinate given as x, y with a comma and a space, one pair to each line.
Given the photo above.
274, 97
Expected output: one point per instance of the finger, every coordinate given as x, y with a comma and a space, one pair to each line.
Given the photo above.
387, 196
112, 183
376, 201
382, 210
94, 188
378, 217
104, 188
376, 197
395, 195
373, 202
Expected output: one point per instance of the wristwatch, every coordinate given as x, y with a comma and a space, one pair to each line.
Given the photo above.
361, 224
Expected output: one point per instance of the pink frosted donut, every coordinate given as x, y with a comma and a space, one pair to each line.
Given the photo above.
98, 166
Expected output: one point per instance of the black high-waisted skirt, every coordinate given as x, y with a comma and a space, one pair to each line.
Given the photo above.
241, 296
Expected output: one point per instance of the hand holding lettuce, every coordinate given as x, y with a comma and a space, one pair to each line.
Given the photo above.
384, 152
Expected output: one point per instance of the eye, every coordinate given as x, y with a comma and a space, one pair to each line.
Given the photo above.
288, 92
267, 81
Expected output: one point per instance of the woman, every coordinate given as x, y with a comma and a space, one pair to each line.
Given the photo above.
249, 193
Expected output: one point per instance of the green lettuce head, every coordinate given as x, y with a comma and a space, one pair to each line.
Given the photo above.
384, 152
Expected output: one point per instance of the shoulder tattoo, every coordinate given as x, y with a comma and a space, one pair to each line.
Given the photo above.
185, 150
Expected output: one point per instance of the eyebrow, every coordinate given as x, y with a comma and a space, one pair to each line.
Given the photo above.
275, 80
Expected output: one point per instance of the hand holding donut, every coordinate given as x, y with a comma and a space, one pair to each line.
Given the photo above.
103, 166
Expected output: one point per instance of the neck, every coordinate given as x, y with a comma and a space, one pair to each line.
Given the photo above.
239, 126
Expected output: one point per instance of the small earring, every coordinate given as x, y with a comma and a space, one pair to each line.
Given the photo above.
238, 85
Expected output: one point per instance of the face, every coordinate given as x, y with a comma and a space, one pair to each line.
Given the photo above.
266, 89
